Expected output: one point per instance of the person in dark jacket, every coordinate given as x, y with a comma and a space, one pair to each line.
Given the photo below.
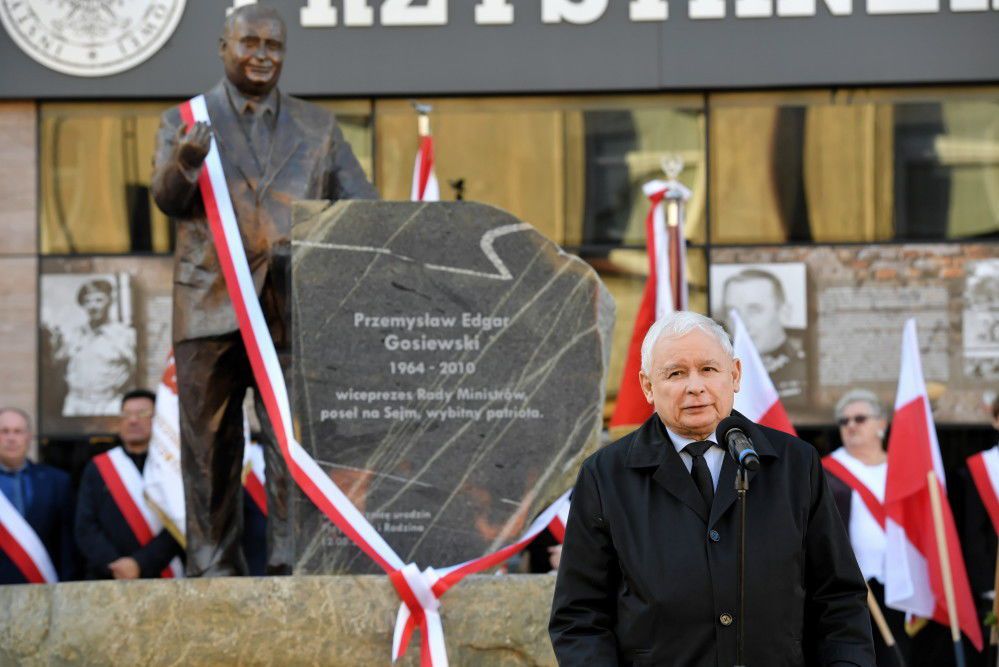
109, 547
40, 493
648, 568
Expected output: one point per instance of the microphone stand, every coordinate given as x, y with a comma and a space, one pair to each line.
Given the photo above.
741, 487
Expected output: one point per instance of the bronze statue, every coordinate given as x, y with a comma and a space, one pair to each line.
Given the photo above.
275, 149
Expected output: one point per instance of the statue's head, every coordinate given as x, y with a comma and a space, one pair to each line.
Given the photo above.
252, 49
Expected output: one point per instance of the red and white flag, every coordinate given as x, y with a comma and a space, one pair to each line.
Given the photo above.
425, 186
984, 468
253, 474
162, 478
124, 482
21, 544
915, 578
665, 292
757, 398
557, 525
163, 481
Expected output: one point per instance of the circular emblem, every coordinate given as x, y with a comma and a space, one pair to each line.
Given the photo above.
90, 37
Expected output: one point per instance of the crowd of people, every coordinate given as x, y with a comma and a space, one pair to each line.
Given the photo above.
89, 533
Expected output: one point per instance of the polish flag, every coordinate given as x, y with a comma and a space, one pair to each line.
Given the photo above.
757, 397
162, 477
557, 525
254, 477
665, 292
163, 480
984, 468
915, 581
425, 186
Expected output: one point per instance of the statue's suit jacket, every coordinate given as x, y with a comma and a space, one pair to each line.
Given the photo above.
648, 573
309, 159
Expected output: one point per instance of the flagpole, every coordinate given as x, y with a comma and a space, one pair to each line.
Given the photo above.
945, 571
886, 634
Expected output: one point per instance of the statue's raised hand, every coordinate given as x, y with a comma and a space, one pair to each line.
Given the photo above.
192, 146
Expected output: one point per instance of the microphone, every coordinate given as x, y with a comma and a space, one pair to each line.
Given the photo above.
733, 432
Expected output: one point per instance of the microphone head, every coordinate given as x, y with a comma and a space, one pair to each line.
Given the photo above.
731, 423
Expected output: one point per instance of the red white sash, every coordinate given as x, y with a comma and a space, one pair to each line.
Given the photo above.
840, 468
984, 468
419, 591
124, 482
23, 546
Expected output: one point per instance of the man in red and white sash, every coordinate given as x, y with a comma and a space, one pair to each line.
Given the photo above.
119, 535
857, 474
36, 511
274, 150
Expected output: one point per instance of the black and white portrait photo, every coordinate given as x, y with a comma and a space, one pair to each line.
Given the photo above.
772, 301
88, 344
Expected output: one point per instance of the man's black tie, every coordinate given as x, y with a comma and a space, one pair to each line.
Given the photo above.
699, 470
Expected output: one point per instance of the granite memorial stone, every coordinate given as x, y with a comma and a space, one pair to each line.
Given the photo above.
448, 374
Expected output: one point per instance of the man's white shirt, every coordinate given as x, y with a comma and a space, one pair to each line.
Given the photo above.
714, 457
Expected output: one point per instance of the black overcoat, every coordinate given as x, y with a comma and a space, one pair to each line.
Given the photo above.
648, 576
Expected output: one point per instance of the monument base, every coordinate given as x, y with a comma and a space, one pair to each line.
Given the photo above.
341, 620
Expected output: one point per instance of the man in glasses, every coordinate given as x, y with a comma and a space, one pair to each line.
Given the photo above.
857, 474
116, 532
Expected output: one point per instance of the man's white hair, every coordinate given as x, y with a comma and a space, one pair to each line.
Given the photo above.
678, 324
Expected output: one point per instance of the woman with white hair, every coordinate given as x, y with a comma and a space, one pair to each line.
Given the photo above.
857, 474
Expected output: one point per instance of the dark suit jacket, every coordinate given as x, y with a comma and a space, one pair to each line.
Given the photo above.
309, 159
647, 573
842, 496
978, 536
104, 536
50, 514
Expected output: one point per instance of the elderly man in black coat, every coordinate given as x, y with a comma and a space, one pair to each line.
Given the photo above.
648, 571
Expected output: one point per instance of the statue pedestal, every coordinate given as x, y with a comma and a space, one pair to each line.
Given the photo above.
327, 620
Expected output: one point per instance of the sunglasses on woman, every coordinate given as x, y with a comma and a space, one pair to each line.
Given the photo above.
858, 419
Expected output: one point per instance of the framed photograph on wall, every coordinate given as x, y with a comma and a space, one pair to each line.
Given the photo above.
104, 329
772, 301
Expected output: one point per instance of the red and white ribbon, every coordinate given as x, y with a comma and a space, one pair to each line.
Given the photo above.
439, 581
984, 468
419, 591
23, 546
124, 482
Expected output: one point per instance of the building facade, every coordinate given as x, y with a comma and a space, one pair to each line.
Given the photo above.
849, 148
